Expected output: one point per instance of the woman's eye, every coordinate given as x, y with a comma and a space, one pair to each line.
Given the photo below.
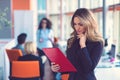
80, 24
74, 23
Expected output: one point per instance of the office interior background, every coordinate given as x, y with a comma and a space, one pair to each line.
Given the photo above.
18, 16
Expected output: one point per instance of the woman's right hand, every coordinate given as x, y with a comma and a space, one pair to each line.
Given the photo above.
55, 67
41, 40
82, 41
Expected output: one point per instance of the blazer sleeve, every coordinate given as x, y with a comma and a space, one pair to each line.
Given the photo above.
90, 59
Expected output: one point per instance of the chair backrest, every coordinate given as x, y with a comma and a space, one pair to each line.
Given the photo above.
64, 76
25, 69
13, 54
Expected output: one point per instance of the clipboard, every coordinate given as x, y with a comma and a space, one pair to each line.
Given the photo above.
55, 55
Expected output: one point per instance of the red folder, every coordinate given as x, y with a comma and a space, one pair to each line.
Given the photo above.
55, 55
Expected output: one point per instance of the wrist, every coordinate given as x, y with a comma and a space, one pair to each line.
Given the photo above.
82, 46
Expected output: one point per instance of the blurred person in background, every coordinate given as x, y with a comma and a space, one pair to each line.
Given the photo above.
85, 46
55, 43
31, 55
20, 42
45, 34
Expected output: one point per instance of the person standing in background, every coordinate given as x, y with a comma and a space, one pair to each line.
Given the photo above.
45, 34
45, 39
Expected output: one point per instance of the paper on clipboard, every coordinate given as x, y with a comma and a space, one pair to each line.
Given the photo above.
55, 55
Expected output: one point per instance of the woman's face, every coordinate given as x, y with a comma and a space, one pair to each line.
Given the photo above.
44, 23
78, 26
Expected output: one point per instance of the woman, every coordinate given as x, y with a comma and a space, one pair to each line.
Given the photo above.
44, 34
31, 55
85, 47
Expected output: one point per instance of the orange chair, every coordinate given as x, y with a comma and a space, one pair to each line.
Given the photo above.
64, 76
22, 70
13, 54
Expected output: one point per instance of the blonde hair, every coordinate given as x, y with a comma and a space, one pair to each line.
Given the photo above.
87, 19
30, 48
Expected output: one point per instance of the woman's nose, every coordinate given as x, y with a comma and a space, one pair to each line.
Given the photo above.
79, 27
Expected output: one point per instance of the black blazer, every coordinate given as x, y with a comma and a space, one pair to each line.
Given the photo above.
30, 57
84, 59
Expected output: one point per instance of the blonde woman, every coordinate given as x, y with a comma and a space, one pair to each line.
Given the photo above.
31, 55
85, 47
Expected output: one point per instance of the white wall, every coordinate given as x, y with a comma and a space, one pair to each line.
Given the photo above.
4, 61
23, 22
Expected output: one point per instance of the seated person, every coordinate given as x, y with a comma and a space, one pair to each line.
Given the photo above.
31, 55
48, 69
21, 40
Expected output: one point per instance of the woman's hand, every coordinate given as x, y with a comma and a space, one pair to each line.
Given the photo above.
55, 67
82, 41
41, 40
